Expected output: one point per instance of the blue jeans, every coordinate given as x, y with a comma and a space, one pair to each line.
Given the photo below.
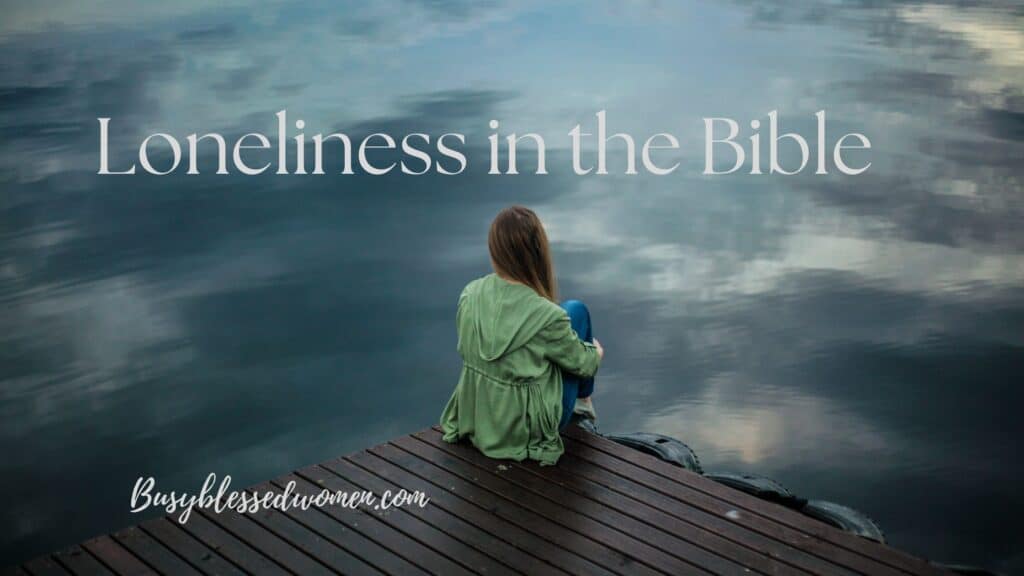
573, 386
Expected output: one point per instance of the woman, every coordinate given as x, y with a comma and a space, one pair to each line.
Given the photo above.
527, 363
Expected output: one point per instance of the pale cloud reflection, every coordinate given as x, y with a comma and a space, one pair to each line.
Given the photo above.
771, 322
407, 21
995, 33
33, 17
770, 429
639, 260
120, 329
111, 329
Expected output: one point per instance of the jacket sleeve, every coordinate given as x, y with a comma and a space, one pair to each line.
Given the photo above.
563, 347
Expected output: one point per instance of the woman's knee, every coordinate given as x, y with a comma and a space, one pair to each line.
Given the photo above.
579, 315
575, 309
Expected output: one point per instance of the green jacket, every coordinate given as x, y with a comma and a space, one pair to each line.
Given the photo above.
514, 344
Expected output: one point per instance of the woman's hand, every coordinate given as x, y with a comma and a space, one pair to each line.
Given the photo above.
600, 349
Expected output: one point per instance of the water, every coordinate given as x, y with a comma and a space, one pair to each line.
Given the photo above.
857, 338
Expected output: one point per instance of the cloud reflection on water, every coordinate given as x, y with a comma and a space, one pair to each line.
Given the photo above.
818, 329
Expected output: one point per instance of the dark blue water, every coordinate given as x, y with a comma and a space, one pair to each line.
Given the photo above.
860, 339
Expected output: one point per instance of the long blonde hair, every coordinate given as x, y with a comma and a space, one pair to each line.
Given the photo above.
519, 250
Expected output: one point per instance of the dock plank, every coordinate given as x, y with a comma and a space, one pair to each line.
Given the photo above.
751, 531
198, 555
635, 461
247, 530
152, 552
566, 547
247, 557
385, 534
680, 546
116, 557
486, 518
603, 510
364, 469
79, 562
565, 513
309, 542
760, 554
45, 566
702, 530
471, 560
354, 542
510, 509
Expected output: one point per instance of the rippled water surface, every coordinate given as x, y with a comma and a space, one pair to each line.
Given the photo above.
860, 339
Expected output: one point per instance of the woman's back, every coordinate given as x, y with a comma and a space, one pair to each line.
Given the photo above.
514, 344
496, 321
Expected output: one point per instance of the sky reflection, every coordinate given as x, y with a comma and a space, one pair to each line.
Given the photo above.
854, 337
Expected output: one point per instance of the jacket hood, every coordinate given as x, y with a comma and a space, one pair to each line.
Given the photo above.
504, 316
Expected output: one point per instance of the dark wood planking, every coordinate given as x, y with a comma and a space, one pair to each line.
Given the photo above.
619, 475
765, 517
45, 566
309, 542
524, 528
604, 510
356, 543
680, 546
243, 527
116, 557
565, 513
79, 562
224, 543
362, 468
381, 532
793, 551
754, 532
670, 528
438, 536
385, 460
779, 514
433, 537
198, 555
152, 552
749, 548
509, 509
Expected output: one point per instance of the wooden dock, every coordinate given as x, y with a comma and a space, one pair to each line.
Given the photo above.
604, 509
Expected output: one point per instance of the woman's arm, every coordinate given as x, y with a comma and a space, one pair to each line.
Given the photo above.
563, 347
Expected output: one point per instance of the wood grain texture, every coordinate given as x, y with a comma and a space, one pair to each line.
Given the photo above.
604, 510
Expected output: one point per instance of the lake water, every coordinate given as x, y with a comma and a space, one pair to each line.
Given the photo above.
859, 339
